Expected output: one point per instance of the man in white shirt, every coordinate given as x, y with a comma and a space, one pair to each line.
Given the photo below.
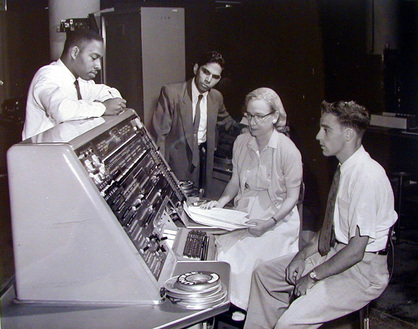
335, 274
64, 90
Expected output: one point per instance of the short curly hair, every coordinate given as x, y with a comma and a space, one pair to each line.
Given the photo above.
76, 37
349, 114
211, 57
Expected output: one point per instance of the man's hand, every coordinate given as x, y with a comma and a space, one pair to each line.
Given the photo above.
294, 270
302, 285
114, 106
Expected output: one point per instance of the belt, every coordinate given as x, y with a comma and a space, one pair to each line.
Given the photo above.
202, 147
380, 252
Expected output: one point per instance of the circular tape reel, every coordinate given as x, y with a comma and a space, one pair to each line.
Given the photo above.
197, 281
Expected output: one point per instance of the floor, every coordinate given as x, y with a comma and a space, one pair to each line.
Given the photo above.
396, 308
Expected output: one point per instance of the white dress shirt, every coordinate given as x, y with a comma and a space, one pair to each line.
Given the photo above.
365, 200
52, 99
201, 134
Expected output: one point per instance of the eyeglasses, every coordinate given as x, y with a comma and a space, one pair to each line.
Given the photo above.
257, 117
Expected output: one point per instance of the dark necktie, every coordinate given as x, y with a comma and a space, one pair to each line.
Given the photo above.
77, 87
326, 235
196, 122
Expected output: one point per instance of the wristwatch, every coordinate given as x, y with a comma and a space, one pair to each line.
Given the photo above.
312, 275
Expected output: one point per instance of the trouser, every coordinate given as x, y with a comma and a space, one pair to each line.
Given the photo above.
198, 174
202, 165
326, 300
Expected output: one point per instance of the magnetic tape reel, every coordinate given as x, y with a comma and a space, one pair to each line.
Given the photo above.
195, 290
188, 188
197, 281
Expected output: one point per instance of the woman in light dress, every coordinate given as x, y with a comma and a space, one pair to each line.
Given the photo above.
265, 183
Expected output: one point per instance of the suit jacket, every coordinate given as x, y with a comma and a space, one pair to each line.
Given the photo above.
172, 129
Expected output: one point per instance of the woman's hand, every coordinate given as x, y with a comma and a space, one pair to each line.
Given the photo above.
210, 205
259, 226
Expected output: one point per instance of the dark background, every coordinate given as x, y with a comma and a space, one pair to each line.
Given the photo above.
306, 50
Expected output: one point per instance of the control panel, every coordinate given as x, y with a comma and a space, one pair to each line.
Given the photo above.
136, 184
96, 212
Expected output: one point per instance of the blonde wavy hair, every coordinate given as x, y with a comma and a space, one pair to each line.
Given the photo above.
272, 98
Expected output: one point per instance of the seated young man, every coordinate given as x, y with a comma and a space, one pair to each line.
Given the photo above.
343, 268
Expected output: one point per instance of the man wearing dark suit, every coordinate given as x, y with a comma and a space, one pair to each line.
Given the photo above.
186, 136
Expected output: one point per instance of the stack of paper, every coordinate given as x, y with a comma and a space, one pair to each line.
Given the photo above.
227, 219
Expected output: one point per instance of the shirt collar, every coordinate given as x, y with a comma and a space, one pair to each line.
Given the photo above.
354, 158
273, 141
65, 68
196, 92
